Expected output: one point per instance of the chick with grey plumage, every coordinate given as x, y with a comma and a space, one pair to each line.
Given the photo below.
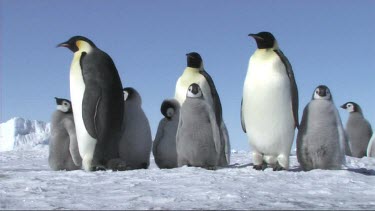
136, 142
164, 145
198, 135
196, 73
321, 137
358, 130
63, 146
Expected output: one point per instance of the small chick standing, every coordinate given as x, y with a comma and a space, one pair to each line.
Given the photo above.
63, 146
321, 137
358, 129
195, 73
164, 146
269, 107
135, 144
198, 135
98, 103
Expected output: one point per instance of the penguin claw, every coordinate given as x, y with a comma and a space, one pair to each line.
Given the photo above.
260, 167
211, 168
98, 168
278, 168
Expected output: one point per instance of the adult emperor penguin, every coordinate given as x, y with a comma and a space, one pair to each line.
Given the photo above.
321, 137
98, 102
195, 73
358, 130
198, 136
63, 146
164, 146
269, 107
135, 144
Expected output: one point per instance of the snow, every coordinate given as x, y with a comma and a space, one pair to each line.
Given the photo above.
26, 182
18, 133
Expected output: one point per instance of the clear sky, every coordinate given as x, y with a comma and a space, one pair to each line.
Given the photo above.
327, 42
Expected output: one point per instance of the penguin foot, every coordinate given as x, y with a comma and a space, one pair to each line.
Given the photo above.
98, 168
277, 167
117, 165
260, 167
211, 168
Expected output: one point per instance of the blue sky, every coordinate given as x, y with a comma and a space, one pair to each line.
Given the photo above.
327, 42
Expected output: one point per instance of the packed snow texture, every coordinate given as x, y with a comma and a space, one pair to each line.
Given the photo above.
27, 182
18, 133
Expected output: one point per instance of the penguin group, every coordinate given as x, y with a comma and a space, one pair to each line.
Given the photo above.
104, 126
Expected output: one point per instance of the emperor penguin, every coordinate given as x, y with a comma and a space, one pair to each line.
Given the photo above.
195, 73
321, 137
358, 130
135, 144
98, 103
164, 145
269, 106
371, 147
198, 136
63, 146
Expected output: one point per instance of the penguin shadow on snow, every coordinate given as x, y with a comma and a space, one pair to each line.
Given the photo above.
363, 171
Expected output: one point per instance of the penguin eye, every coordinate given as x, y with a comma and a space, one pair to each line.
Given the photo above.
317, 91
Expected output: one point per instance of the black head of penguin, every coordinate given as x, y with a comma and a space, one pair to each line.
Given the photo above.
167, 104
355, 107
264, 39
73, 45
323, 92
65, 103
194, 60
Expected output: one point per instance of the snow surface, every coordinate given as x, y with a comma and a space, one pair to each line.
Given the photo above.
26, 182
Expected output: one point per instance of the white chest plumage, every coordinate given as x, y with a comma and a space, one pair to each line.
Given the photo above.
192, 75
267, 106
86, 143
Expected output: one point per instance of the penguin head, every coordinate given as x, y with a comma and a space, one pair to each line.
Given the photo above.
169, 108
264, 40
352, 107
194, 60
77, 43
194, 91
64, 105
322, 92
131, 94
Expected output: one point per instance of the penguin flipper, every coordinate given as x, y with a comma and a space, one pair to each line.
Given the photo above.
158, 136
215, 96
301, 134
343, 138
215, 132
90, 110
293, 85
73, 144
242, 119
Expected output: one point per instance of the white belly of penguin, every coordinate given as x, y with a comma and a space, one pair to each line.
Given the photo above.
267, 105
86, 143
191, 75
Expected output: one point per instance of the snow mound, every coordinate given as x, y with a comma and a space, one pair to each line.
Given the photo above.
19, 133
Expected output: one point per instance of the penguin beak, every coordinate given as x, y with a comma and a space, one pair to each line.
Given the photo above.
343, 106
64, 44
256, 37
